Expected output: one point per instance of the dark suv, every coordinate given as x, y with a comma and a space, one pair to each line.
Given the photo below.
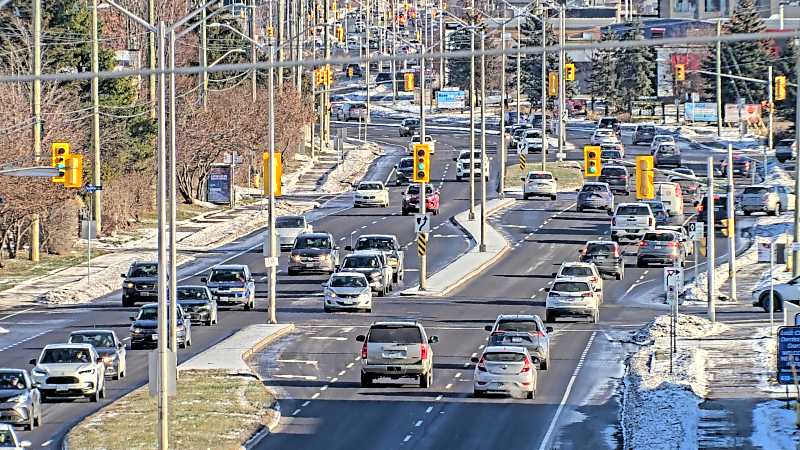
606, 256
403, 170
616, 177
140, 283
409, 127
644, 134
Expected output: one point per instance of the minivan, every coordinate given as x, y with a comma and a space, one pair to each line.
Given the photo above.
671, 196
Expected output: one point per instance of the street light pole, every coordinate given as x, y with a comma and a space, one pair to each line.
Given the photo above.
366, 72
96, 200
163, 353
441, 45
204, 59
37, 114
561, 91
151, 40
795, 253
472, 120
484, 158
503, 155
545, 142
423, 257
710, 256
719, 78
252, 32
519, 69
173, 309
731, 205
273, 251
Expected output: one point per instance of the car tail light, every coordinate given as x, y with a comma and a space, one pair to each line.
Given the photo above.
672, 244
364, 351
586, 294
642, 243
540, 333
423, 351
594, 279
482, 365
650, 221
616, 252
527, 365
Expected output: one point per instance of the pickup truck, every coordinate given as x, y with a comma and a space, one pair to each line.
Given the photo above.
415, 140
631, 221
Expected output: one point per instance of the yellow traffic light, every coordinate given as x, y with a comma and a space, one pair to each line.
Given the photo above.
645, 178
680, 72
591, 161
780, 87
727, 227
277, 179
340, 33
270, 31
73, 175
409, 82
59, 154
552, 84
569, 72
422, 164
349, 72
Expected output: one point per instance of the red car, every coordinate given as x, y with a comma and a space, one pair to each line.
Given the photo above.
411, 199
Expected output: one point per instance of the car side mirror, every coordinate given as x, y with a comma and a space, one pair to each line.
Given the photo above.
522, 178
122, 275
361, 338
336, 247
204, 280
549, 329
32, 362
554, 274
348, 248
547, 289
120, 345
433, 339
475, 360
324, 285
132, 318
98, 359
610, 213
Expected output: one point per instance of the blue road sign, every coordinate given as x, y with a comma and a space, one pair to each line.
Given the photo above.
92, 188
788, 353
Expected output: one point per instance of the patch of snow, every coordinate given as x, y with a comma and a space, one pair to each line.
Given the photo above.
774, 427
3, 330
352, 169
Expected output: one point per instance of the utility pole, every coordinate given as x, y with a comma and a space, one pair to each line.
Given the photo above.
561, 91
710, 257
273, 251
719, 78
484, 158
173, 272
281, 26
795, 253
472, 112
369, 63
731, 205
97, 199
253, 59
441, 46
781, 14
394, 49
151, 40
770, 132
545, 142
519, 69
163, 353
37, 114
503, 156
327, 94
423, 259
204, 59
301, 32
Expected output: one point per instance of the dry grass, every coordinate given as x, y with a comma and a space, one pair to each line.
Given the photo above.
21, 269
213, 410
568, 173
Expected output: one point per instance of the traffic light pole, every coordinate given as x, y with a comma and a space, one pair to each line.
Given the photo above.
366, 73
273, 251
731, 228
562, 116
471, 117
163, 353
423, 258
710, 256
96, 200
37, 114
719, 78
771, 103
503, 156
545, 142
484, 158
173, 308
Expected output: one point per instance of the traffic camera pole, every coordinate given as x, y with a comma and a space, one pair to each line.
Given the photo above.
503, 155
96, 199
273, 251
471, 113
731, 228
484, 158
712, 313
36, 133
423, 258
795, 253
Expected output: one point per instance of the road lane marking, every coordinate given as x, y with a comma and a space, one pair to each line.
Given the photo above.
329, 338
407, 438
316, 395
350, 365
334, 380
449, 385
342, 373
418, 424
17, 313
296, 377
438, 397
10, 346
305, 403
298, 361
551, 428
295, 412
458, 375
323, 388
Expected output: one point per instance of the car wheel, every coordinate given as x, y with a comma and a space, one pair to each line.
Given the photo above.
747, 213
189, 342
641, 264
595, 317
127, 303
248, 306
552, 197
549, 317
777, 211
614, 238
777, 301
94, 398
381, 292
618, 275
458, 178
405, 212
426, 379
366, 380
529, 395
477, 394
38, 420
396, 277
103, 391
291, 272
28, 426
182, 344
116, 376
544, 364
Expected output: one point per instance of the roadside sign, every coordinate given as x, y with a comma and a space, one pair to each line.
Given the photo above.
422, 223
764, 249
796, 246
788, 353
696, 231
90, 188
271, 261
673, 282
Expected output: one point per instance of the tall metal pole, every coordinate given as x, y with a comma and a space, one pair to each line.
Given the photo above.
281, 26
423, 259
781, 14
795, 253
561, 91
710, 256
273, 242
97, 199
151, 40
503, 155
394, 49
472, 119
37, 114
173, 273
369, 63
771, 102
545, 142
442, 83
327, 94
251, 26
719, 78
732, 228
484, 158
204, 59
519, 69
163, 354
301, 26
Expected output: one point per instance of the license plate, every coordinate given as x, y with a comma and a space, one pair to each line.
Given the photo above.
310, 264
154, 337
631, 230
147, 294
394, 355
62, 388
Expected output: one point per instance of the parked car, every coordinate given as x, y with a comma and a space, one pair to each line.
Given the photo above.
770, 199
659, 211
505, 369
108, 346
632, 221
69, 370
595, 195
347, 291
140, 283
9, 439
389, 245
415, 139
403, 171
572, 298
741, 165
371, 193
409, 127
540, 183
788, 291
510, 329
20, 400
667, 155
144, 328
411, 199
198, 304
463, 167
616, 177
606, 257
661, 139
397, 349
785, 150
373, 265
288, 228
314, 252
660, 247
233, 285
644, 133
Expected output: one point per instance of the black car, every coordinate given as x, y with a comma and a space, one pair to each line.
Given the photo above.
616, 177
144, 328
403, 170
720, 209
644, 134
140, 283
409, 127
606, 256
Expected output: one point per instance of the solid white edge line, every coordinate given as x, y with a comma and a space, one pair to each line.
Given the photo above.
564, 399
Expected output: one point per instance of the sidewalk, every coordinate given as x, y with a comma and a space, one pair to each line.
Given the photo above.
232, 353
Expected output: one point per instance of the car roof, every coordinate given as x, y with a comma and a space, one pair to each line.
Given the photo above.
58, 346
229, 266
141, 263
596, 183
347, 274
516, 317
314, 234
540, 172
409, 323
601, 242
762, 185
576, 264
368, 252
381, 236
505, 349
191, 286
612, 166
292, 216
5, 426
641, 203
91, 330
370, 182
12, 369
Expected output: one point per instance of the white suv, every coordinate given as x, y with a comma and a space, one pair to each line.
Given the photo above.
569, 297
70, 370
463, 165
540, 183
583, 271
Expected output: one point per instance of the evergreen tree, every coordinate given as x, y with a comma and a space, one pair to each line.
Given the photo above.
786, 66
531, 66
603, 83
635, 76
458, 68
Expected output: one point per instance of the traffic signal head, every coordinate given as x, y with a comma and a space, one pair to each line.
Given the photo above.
409, 82
645, 178
780, 87
552, 84
422, 164
680, 72
73, 174
591, 161
569, 72
59, 154
277, 180
727, 227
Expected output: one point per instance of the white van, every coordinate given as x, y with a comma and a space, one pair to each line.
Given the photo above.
671, 196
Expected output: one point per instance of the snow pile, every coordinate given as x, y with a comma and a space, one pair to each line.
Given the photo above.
774, 426
356, 162
688, 327
3, 330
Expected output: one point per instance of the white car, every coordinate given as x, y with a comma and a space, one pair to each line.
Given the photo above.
371, 193
530, 142
583, 271
70, 370
572, 298
600, 134
463, 165
288, 228
9, 439
540, 183
789, 290
416, 140
661, 139
506, 369
347, 291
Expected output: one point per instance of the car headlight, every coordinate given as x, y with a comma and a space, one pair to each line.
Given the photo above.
239, 289
86, 371
325, 256
296, 258
129, 285
374, 275
39, 371
136, 330
330, 293
21, 398
109, 358
393, 260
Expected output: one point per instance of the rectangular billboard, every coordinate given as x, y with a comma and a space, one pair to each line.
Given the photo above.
750, 113
218, 188
450, 99
700, 112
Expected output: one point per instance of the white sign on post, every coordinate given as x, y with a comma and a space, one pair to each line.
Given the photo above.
764, 249
673, 282
422, 223
696, 231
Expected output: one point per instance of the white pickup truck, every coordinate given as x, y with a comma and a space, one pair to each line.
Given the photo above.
631, 221
415, 140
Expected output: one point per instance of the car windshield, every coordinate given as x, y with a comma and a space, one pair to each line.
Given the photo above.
540, 176
397, 334
659, 139
576, 271
321, 242
656, 206
227, 276
98, 340
406, 162
144, 271
465, 156
414, 189
610, 154
613, 172
150, 313
7, 439
570, 286
370, 187
510, 339
527, 326
756, 190
289, 222
659, 237
633, 210
347, 281
65, 356
646, 128
353, 262
12, 380
375, 243
192, 293
533, 134
593, 188
599, 249
503, 357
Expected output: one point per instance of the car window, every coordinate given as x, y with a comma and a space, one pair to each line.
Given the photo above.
576, 271
400, 334
289, 222
599, 249
148, 314
756, 190
347, 281
633, 210
528, 326
370, 186
659, 237
509, 339
465, 156
191, 293
540, 176
98, 340
144, 271
355, 261
503, 357
12, 380
656, 206
613, 172
570, 286
227, 275
7, 439
593, 188
414, 189
406, 162
313, 242
668, 150
375, 243
66, 356
610, 154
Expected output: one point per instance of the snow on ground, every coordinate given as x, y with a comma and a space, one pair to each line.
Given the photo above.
774, 427
352, 169
3, 330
